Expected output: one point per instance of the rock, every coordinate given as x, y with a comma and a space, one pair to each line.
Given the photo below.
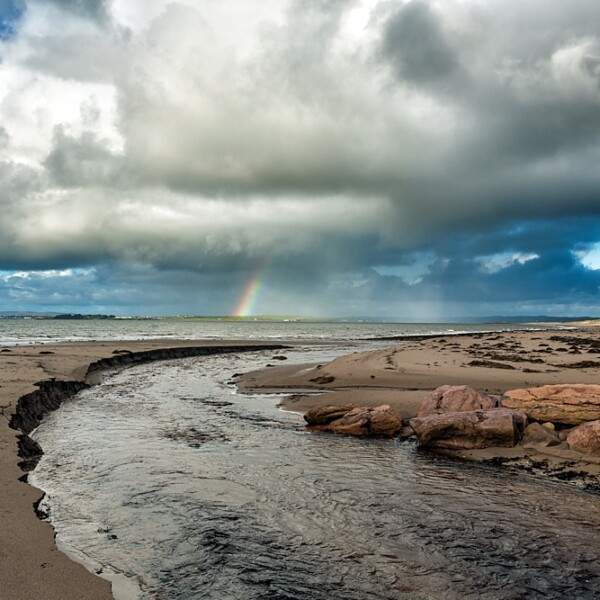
326, 414
568, 404
499, 427
549, 426
585, 438
536, 434
490, 364
381, 421
384, 421
454, 398
323, 379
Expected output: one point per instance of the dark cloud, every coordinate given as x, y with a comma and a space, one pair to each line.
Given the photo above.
4, 138
84, 161
96, 10
414, 42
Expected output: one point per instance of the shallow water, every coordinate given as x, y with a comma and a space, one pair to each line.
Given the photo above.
165, 474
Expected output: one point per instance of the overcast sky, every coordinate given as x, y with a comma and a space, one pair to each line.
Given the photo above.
410, 159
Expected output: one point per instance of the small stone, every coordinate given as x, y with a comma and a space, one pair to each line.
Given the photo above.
537, 435
549, 426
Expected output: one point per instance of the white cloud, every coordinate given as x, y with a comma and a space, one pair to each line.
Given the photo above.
590, 258
504, 260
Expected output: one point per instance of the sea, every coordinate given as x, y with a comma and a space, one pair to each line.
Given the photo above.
39, 331
167, 480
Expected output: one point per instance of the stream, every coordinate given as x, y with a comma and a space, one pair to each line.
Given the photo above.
166, 479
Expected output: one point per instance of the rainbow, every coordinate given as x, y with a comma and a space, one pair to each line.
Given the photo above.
246, 303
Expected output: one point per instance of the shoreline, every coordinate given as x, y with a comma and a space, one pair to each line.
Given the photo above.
492, 362
38, 381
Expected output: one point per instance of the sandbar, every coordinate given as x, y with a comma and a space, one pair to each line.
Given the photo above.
405, 373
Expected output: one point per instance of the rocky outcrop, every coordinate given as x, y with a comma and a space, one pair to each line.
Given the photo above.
472, 429
537, 435
585, 438
361, 421
454, 398
326, 414
567, 404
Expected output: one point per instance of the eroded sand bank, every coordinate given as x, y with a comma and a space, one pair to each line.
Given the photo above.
31, 567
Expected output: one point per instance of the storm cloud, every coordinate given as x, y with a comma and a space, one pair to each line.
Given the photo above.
337, 142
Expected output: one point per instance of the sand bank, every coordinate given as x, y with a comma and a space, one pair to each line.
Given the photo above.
404, 374
31, 567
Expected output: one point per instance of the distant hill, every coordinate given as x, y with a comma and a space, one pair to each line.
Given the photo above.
473, 320
22, 314
524, 319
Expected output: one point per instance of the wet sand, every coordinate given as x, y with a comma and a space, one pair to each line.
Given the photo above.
403, 375
31, 567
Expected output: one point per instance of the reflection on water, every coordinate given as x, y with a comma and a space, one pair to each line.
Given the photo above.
166, 474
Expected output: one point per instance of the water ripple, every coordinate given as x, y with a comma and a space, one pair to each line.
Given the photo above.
166, 475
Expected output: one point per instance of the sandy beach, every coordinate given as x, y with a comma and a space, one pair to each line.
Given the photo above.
400, 375
31, 567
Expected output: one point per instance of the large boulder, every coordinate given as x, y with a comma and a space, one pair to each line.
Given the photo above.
454, 398
585, 438
381, 421
499, 427
569, 404
326, 414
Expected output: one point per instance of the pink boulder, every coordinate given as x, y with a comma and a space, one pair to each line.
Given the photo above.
569, 404
381, 421
585, 438
454, 398
472, 429
326, 414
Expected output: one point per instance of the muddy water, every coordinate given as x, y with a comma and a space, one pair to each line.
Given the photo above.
164, 474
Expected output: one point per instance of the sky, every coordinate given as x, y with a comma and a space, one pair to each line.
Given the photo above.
417, 159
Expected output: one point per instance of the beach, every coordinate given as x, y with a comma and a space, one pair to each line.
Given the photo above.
404, 375
400, 375
31, 567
